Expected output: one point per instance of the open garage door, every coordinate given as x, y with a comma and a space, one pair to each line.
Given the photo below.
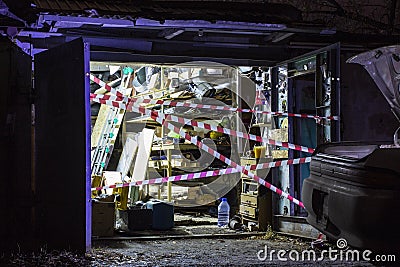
62, 180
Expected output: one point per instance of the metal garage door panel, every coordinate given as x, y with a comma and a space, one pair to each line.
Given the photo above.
15, 148
63, 147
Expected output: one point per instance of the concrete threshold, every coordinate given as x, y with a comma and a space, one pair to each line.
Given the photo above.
189, 236
308, 238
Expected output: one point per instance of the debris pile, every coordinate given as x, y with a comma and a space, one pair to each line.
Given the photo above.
98, 257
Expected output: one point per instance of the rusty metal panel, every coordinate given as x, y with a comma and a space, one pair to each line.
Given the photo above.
63, 147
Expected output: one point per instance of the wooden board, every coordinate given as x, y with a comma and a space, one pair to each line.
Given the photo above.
101, 121
98, 126
142, 158
126, 159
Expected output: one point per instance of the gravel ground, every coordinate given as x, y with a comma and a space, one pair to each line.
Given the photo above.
208, 252
217, 250
182, 252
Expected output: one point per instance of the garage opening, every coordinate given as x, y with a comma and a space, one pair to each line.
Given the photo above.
158, 177
161, 142
131, 167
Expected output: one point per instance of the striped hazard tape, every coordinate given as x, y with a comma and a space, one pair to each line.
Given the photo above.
106, 86
161, 118
206, 174
205, 106
130, 106
224, 159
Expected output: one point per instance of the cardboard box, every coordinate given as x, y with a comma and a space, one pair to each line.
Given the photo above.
279, 135
280, 154
158, 131
193, 192
103, 218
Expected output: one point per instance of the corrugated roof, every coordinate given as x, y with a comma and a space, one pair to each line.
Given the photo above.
362, 17
185, 10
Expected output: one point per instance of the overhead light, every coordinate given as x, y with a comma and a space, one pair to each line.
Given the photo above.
281, 36
170, 33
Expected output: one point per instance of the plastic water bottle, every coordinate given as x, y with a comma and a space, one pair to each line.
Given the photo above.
223, 213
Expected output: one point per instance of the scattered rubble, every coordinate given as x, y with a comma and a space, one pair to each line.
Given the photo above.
44, 258
179, 252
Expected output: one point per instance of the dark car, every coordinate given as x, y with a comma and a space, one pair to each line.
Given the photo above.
353, 191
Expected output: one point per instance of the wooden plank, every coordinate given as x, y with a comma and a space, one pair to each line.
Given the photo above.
115, 131
98, 126
142, 158
127, 156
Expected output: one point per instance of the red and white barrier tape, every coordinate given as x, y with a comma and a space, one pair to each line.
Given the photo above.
161, 119
278, 163
207, 174
175, 178
106, 86
130, 106
224, 159
120, 97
